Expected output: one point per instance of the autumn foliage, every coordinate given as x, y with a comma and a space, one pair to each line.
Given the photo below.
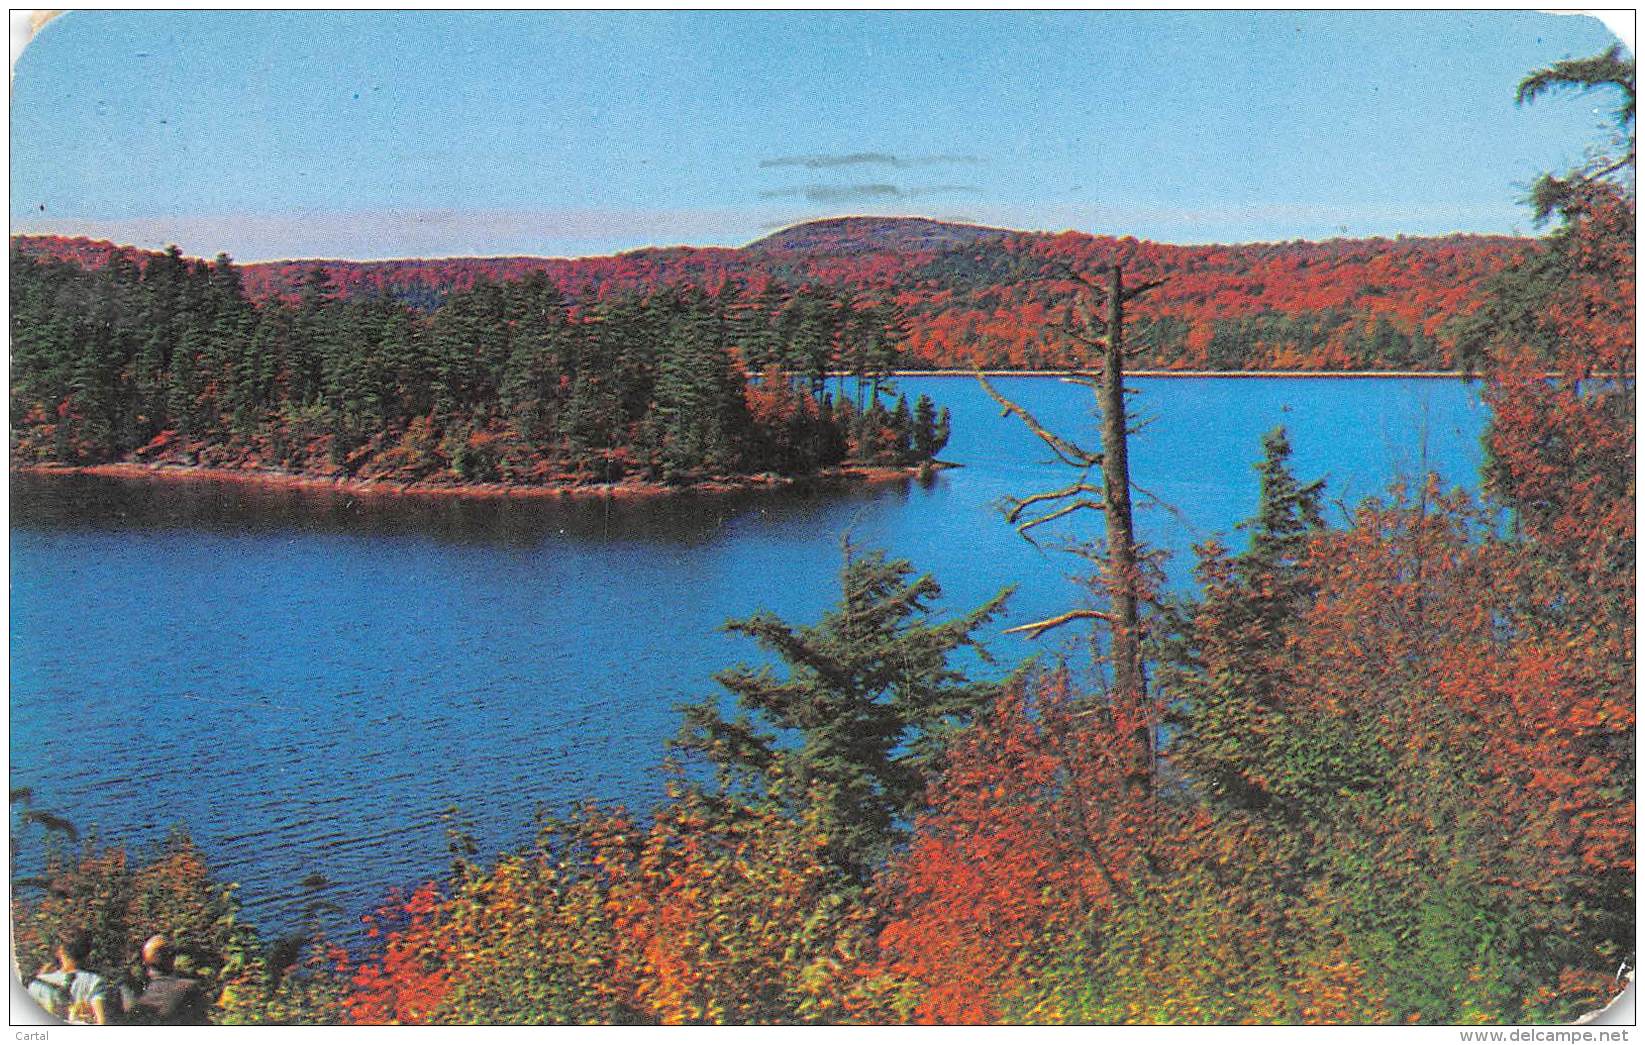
998, 298
1028, 837
1396, 756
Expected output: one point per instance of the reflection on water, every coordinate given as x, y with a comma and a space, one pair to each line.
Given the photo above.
308, 678
58, 501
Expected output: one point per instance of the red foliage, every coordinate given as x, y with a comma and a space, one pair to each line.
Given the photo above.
1029, 837
999, 300
403, 984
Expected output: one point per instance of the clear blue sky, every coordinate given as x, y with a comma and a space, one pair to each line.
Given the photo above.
379, 134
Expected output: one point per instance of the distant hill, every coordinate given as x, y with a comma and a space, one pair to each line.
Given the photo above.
868, 235
971, 295
87, 253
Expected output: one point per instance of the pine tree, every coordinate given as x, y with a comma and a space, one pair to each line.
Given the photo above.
233, 321
852, 731
940, 433
810, 327
701, 408
1287, 512
902, 426
756, 328
888, 333
1608, 69
925, 429
1225, 665
310, 339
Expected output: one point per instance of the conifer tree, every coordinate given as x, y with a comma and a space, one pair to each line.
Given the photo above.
902, 431
756, 327
1608, 69
310, 338
810, 328
888, 332
930, 429
851, 731
1224, 665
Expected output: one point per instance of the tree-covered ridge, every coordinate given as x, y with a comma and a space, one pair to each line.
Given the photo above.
997, 298
167, 359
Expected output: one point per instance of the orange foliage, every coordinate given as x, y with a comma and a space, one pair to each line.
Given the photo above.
1028, 838
405, 982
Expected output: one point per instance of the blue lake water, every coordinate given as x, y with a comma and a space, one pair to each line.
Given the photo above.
306, 680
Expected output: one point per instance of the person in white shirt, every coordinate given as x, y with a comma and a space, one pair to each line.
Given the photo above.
70, 992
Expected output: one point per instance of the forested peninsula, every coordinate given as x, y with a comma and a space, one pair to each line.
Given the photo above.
157, 361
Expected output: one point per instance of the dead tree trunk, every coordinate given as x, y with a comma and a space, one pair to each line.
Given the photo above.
1119, 560
1124, 579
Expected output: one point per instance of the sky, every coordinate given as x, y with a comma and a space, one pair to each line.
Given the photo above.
397, 134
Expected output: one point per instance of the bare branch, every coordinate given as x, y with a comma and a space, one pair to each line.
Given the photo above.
1137, 290
1019, 503
1177, 513
1067, 509
1068, 452
1087, 317
1040, 627
1091, 342
1069, 271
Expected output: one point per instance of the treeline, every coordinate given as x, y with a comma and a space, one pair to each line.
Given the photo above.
169, 360
1340, 305
998, 299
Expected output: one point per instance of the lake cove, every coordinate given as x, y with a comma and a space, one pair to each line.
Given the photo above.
307, 678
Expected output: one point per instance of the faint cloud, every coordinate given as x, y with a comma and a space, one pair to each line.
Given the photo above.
868, 159
865, 191
573, 232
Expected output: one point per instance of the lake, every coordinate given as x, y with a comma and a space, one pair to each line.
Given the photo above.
306, 680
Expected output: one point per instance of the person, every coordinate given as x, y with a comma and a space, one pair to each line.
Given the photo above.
167, 998
71, 992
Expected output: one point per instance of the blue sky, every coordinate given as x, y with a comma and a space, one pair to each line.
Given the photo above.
380, 134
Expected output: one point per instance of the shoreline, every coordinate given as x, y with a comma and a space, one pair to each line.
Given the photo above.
635, 490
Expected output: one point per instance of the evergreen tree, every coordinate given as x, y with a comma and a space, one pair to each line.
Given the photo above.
1608, 69
887, 334
529, 388
700, 402
1223, 669
931, 429
407, 366
229, 342
830, 433
187, 384
902, 432
310, 342
1287, 512
852, 731
756, 329
505, 377
810, 328
258, 374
